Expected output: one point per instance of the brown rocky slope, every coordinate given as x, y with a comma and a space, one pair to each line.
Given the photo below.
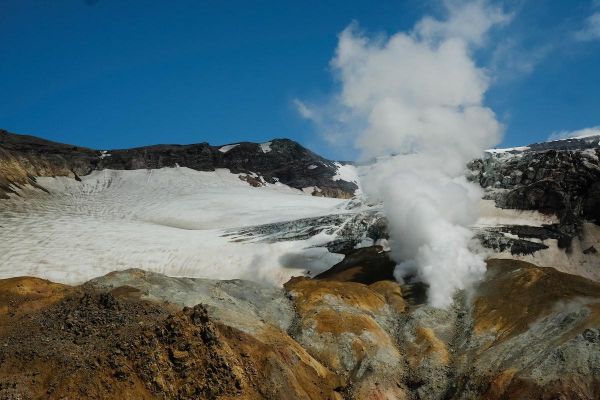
525, 332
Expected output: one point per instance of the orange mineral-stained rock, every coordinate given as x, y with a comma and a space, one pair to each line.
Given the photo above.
516, 294
58, 341
348, 327
524, 332
26, 294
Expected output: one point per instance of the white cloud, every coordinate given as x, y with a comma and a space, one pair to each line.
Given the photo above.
466, 20
580, 133
509, 59
420, 94
304, 110
591, 29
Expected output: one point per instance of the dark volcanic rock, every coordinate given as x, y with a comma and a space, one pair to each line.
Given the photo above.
349, 230
365, 265
493, 238
584, 143
22, 158
551, 181
555, 178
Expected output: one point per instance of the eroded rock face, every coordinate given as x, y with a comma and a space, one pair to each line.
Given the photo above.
285, 161
524, 332
554, 189
244, 305
534, 333
22, 158
347, 327
564, 182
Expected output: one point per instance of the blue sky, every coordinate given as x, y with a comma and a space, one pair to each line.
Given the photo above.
114, 74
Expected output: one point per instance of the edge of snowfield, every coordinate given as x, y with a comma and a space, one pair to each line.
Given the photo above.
168, 220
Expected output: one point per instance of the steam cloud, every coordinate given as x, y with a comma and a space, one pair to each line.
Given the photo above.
419, 95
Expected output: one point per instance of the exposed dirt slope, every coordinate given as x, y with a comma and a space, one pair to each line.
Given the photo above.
77, 342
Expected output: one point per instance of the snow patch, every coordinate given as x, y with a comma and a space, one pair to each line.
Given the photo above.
584, 133
587, 135
346, 172
311, 189
508, 150
104, 154
225, 149
265, 147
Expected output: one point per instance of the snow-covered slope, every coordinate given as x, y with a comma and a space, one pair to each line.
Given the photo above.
168, 220
540, 205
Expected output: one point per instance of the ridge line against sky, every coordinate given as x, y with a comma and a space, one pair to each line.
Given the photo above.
105, 74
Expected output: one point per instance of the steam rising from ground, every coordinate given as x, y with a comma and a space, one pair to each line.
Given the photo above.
419, 95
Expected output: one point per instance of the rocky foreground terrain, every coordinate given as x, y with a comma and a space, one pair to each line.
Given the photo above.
524, 333
348, 331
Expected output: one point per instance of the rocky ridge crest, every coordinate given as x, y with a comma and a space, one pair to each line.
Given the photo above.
23, 158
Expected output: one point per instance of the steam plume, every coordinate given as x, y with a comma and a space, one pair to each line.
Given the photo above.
419, 95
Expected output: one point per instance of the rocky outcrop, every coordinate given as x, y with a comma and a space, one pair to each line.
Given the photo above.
524, 332
561, 178
348, 327
534, 334
521, 239
349, 230
364, 265
22, 158
87, 344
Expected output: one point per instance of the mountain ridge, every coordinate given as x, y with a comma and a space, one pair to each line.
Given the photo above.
25, 157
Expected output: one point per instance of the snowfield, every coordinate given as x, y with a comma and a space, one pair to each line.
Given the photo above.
169, 220
183, 222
